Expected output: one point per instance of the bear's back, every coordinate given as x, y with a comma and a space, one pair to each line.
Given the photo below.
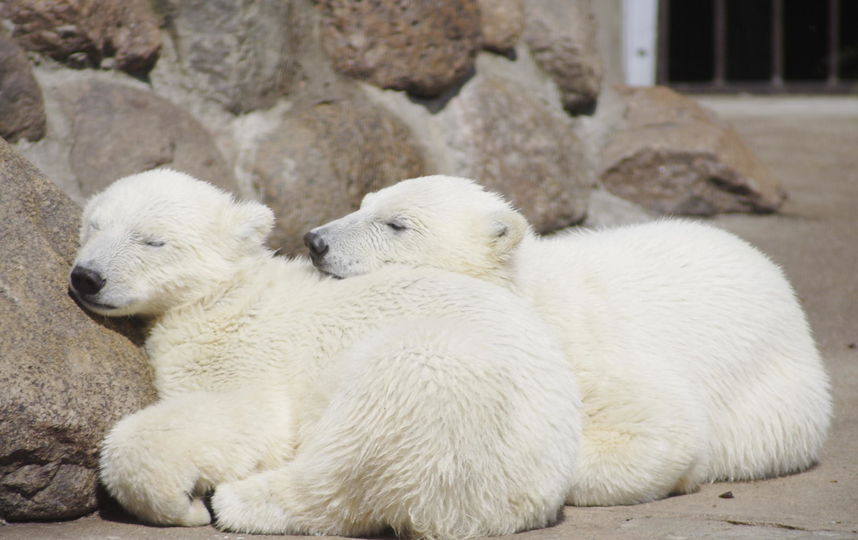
284, 323
670, 285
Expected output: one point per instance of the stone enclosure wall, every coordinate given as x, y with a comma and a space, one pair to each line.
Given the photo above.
306, 106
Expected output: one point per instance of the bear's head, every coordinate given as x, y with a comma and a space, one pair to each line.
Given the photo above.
161, 238
440, 221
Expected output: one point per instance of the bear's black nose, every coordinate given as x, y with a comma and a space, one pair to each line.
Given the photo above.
85, 281
316, 244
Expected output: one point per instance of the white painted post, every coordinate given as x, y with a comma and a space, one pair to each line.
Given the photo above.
640, 25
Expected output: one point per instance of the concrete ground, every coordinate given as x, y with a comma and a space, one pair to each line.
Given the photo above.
812, 146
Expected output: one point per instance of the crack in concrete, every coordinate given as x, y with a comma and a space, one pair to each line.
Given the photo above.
767, 524
776, 525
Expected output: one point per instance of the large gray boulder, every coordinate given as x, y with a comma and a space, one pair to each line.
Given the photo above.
85, 32
674, 156
506, 129
421, 46
22, 109
239, 54
561, 35
502, 23
100, 129
517, 145
66, 376
320, 161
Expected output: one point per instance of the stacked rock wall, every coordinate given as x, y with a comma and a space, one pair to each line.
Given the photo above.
306, 105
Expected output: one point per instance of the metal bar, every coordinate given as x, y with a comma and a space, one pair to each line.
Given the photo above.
720, 18
662, 60
833, 41
777, 43
795, 87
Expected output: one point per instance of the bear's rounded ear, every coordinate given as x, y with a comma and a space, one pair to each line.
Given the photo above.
507, 229
253, 221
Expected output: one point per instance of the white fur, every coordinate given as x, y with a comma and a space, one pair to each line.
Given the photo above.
425, 401
694, 358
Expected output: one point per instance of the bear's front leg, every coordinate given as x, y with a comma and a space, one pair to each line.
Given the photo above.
159, 462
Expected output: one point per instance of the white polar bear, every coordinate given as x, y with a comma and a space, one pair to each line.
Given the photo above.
428, 402
694, 358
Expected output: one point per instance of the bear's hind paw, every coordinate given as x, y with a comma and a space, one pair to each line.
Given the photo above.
196, 516
241, 507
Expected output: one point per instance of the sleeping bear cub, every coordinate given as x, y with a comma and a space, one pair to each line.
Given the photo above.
694, 359
428, 402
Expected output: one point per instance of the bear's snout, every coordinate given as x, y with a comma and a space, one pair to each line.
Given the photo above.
85, 281
316, 244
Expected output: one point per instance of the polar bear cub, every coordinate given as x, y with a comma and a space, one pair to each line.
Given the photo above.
428, 402
694, 358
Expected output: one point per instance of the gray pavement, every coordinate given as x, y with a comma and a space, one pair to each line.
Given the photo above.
812, 146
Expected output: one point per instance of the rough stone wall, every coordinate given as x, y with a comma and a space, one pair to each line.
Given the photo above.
269, 99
